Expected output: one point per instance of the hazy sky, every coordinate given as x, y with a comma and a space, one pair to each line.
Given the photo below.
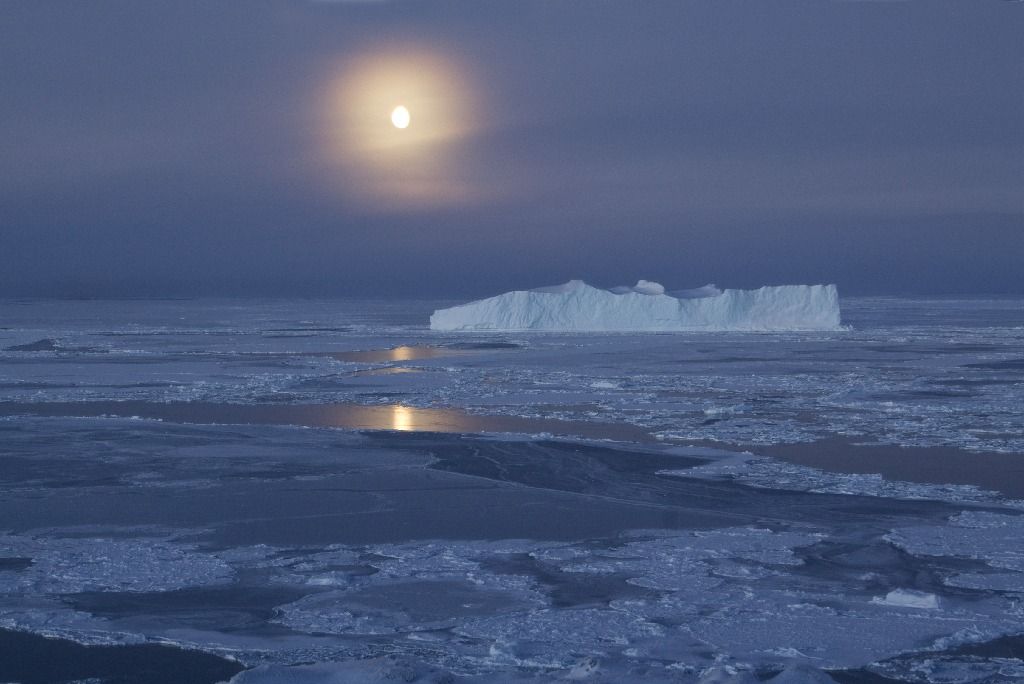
183, 148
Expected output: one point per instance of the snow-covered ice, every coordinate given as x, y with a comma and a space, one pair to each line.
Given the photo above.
908, 598
577, 306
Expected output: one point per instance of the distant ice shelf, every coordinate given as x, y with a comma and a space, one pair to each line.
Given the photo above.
577, 306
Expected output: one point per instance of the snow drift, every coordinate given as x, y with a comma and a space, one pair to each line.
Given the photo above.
646, 307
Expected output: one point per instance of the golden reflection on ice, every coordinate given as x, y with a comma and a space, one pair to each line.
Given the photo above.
402, 418
384, 165
402, 353
348, 416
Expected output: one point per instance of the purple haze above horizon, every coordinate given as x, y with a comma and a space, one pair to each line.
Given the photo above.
176, 148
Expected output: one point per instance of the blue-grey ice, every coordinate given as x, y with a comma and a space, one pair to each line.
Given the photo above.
577, 306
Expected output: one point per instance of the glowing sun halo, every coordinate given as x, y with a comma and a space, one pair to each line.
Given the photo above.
400, 117
377, 157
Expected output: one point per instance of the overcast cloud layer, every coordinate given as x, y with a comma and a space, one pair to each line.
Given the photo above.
175, 148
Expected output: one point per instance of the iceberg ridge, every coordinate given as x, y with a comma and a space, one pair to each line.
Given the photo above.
577, 306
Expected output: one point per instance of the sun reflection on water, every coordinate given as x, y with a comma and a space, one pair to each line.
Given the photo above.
402, 418
402, 353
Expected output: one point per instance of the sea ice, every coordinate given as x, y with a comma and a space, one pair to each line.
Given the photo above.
646, 307
72, 565
908, 598
769, 473
366, 671
723, 674
994, 538
580, 630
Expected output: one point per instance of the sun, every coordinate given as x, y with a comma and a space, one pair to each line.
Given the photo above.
400, 117
396, 123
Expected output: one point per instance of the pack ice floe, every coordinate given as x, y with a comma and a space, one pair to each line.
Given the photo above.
577, 306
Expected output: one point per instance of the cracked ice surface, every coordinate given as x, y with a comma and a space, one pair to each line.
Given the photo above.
908, 372
359, 551
769, 473
995, 538
70, 565
703, 594
742, 613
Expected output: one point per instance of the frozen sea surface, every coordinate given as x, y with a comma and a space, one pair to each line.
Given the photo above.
329, 491
942, 372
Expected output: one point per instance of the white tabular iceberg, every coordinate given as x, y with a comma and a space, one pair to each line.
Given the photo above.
645, 307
